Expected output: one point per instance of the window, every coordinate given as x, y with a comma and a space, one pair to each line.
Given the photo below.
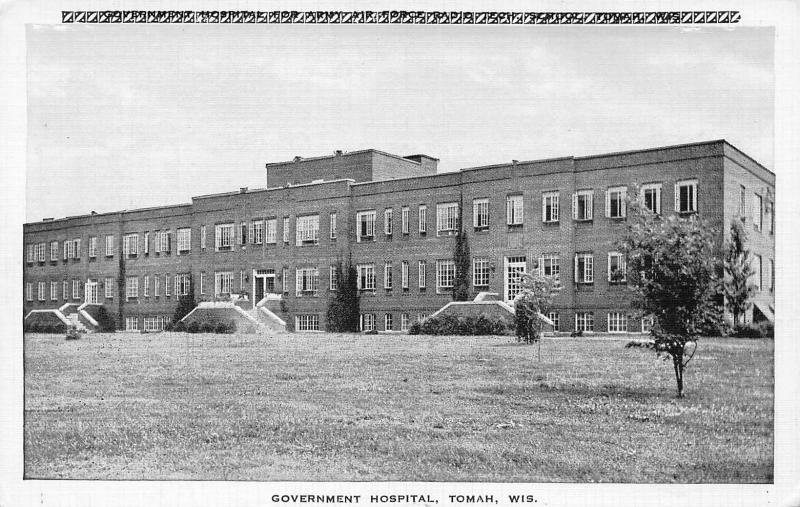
333, 225
29, 291
184, 239
647, 323
365, 223
130, 245
307, 322
582, 204
152, 324
403, 322
167, 288
480, 213
164, 241
53, 291
31, 255
404, 214
223, 237
616, 267
77, 250
387, 221
514, 210
256, 232
69, 250
183, 284
550, 207
131, 287
404, 274
223, 283
271, 231
76, 289
110, 245
758, 212
617, 322
40, 292
757, 272
584, 321
651, 196
480, 272
742, 202
446, 218
131, 324
771, 275
421, 272
387, 276
388, 322
515, 268
549, 265
366, 276
202, 282
54, 250
445, 275
307, 230
65, 290
615, 202
423, 219
202, 237
686, 196
770, 210
333, 278
156, 285
555, 318
243, 233
368, 322
43, 250
146, 286
584, 268
108, 284
285, 281
286, 230
306, 282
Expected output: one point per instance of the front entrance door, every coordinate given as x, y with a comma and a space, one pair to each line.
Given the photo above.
263, 284
91, 292
515, 268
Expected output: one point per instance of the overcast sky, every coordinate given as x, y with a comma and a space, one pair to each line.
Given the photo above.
121, 117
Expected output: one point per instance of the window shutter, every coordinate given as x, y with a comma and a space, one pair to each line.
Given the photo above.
544, 208
608, 266
608, 204
66, 249
589, 268
298, 283
176, 286
590, 206
509, 211
169, 241
575, 206
624, 203
541, 266
677, 199
575, 270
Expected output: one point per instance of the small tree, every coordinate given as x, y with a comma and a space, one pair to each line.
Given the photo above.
344, 305
532, 305
186, 304
738, 270
461, 260
675, 276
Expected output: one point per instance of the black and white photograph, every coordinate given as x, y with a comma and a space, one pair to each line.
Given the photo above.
452, 256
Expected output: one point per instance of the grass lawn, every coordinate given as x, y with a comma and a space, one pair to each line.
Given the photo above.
393, 407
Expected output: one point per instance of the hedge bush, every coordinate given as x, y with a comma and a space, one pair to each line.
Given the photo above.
760, 330
469, 325
105, 321
39, 327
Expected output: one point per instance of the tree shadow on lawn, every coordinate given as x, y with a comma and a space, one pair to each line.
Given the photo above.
584, 390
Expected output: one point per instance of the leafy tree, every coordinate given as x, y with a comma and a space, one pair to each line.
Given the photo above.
532, 305
674, 274
186, 304
461, 260
344, 305
738, 270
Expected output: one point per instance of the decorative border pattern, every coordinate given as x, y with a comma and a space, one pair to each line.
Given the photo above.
407, 17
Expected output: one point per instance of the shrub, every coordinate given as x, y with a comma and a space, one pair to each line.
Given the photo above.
226, 327
193, 327
105, 322
460, 325
759, 330
208, 327
179, 327
415, 328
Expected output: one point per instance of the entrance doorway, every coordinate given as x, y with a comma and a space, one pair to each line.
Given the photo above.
91, 292
515, 267
263, 284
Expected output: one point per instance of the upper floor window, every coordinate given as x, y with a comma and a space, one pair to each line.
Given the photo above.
549, 265
202, 236
271, 226
333, 225
758, 212
387, 275
550, 209
584, 268
616, 267
615, 202
164, 241
445, 275
366, 277
651, 196
130, 245
404, 274
183, 284
306, 282
184, 239
243, 233
223, 237
286, 230
29, 291
92, 247
53, 291
480, 213
387, 221
404, 215
686, 196
742, 202
108, 284
41, 291
423, 219
421, 274
31, 257
54, 250
256, 232
480, 272
223, 282
446, 218
307, 230
514, 210
365, 226
131, 287
757, 272
582, 204
333, 278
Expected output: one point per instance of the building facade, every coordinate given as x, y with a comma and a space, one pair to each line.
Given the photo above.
396, 219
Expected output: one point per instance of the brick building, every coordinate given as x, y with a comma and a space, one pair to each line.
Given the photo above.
396, 217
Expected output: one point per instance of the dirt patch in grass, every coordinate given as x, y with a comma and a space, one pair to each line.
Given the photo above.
347, 407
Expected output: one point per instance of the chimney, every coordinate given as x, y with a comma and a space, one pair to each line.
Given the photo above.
298, 158
48, 219
337, 153
242, 190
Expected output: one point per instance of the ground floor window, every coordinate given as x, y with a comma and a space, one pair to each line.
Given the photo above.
404, 322
647, 323
307, 322
368, 322
584, 321
556, 320
131, 323
223, 283
156, 323
617, 322
388, 322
